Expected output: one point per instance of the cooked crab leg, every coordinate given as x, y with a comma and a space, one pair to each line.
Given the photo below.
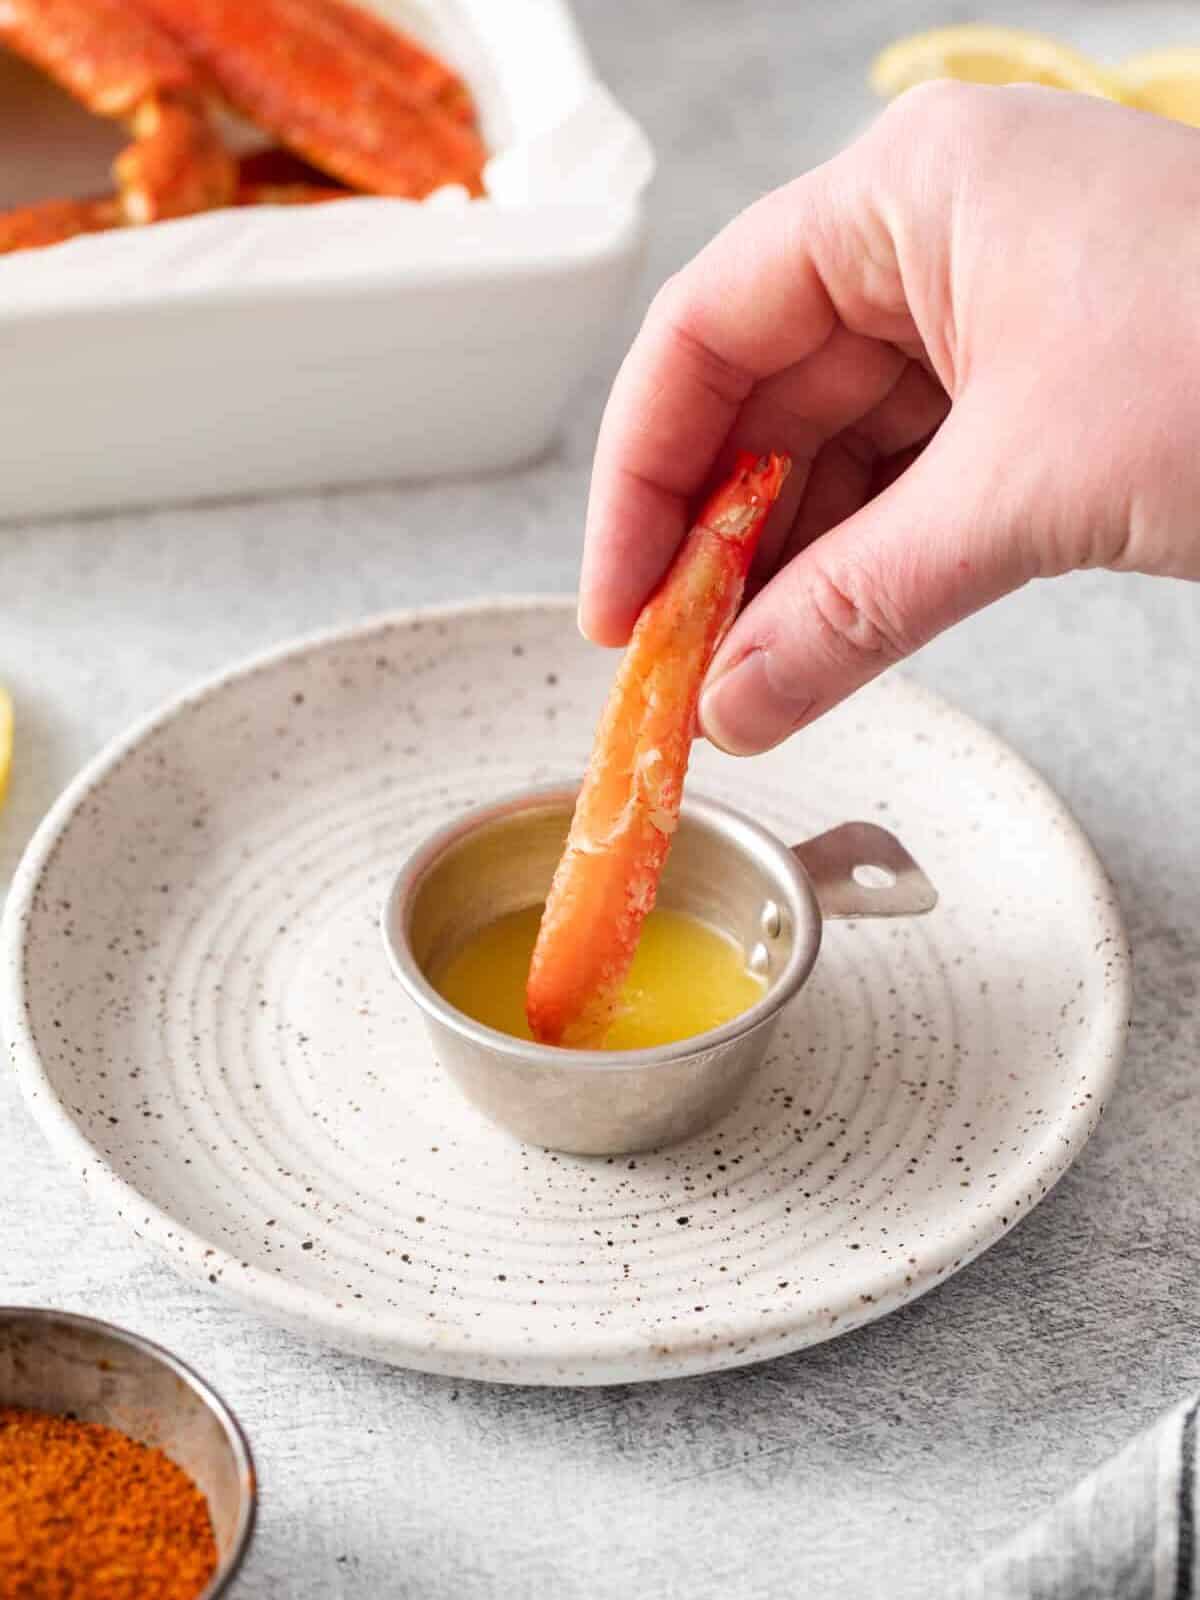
423, 71
53, 221
275, 177
176, 166
289, 194
270, 177
323, 88
119, 64
628, 808
101, 51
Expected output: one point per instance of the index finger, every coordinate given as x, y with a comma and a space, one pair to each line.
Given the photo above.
765, 295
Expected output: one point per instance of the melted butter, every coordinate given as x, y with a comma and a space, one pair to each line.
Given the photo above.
686, 978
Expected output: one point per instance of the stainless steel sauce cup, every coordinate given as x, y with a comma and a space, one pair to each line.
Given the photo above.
723, 869
71, 1365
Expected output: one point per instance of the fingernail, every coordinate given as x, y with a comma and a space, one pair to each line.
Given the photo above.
745, 710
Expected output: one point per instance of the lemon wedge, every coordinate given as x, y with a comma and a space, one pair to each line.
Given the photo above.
1166, 82
6, 740
978, 53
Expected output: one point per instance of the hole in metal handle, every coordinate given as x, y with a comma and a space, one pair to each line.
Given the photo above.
868, 876
862, 870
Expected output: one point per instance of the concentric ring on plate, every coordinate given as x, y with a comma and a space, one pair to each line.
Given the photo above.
204, 1025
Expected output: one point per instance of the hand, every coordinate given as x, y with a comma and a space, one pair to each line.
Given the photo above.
977, 332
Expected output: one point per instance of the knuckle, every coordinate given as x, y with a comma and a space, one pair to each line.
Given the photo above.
857, 625
945, 125
940, 103
961, 124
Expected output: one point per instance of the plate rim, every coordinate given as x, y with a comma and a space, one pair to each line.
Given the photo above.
308, 1310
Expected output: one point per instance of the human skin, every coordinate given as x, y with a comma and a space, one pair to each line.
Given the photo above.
977, 333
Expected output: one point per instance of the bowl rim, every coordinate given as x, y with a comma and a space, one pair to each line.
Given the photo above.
230, 1565
744, 831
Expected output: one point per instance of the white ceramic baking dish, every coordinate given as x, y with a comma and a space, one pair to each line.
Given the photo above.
279, 349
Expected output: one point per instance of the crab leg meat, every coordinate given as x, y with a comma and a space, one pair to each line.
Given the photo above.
320, 85
628, 808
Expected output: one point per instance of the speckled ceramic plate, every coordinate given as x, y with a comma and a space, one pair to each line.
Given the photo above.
205, 1024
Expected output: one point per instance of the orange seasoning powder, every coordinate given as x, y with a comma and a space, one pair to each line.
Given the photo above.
86, 1511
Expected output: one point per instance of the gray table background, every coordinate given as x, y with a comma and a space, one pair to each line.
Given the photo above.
876, 1465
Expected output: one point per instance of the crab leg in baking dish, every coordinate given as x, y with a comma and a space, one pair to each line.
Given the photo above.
260, 182
423, 72
275, 177
628, 808
313, 74
53, 221
119, 64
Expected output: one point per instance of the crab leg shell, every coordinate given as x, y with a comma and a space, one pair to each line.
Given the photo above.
53, 221
423, 70
628, 808
314, 84
119, 63
289, 194
104, 52
177, 165
275, 177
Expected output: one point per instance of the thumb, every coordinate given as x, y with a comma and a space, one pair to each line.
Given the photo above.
919, 557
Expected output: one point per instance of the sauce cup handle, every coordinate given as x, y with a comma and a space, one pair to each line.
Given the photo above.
861, 870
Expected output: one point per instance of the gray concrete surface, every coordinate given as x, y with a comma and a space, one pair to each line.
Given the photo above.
874, 1466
